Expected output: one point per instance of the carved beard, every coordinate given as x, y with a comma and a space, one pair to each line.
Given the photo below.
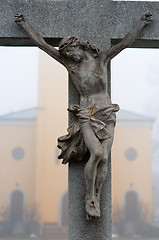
75, 57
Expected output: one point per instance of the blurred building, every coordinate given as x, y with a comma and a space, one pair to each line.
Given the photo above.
33, 185
17, 165
132, 171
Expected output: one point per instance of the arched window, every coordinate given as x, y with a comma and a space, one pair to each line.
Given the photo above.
131, 208
16, 213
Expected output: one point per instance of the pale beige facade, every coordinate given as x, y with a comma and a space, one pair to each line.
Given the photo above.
51, 178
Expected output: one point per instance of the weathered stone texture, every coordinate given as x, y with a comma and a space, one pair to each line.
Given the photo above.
96, 20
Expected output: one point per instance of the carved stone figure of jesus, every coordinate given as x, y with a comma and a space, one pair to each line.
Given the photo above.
93, 130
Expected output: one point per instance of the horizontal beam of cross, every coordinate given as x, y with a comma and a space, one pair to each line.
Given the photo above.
97, 21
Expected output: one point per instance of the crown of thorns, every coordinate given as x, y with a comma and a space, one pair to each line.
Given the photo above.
70, 39
66, 41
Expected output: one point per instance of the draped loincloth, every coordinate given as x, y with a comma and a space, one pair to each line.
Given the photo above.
72, 145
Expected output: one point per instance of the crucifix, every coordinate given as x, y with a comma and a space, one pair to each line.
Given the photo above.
93, 132
102, 23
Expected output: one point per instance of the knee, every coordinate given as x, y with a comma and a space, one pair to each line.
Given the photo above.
98, 153
105, 159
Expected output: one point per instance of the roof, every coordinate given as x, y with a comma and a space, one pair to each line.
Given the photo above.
31, 114
24, 114
128, 116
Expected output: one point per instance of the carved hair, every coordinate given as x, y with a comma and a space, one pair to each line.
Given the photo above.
66, 41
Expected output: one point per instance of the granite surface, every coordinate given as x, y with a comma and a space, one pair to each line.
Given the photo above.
94, 20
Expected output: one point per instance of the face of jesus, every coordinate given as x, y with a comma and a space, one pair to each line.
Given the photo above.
74, 52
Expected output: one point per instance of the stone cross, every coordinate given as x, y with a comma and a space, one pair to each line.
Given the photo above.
103, 23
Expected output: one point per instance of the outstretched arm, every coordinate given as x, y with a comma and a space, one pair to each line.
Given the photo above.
36, 38
129, 38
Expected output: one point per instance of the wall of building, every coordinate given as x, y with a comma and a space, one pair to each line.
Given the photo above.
51, 178
17, 174
132, 174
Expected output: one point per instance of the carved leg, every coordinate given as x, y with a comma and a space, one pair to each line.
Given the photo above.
90, 172
101, 175
103, 165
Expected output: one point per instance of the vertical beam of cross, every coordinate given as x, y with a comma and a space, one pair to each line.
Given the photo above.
100, 22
